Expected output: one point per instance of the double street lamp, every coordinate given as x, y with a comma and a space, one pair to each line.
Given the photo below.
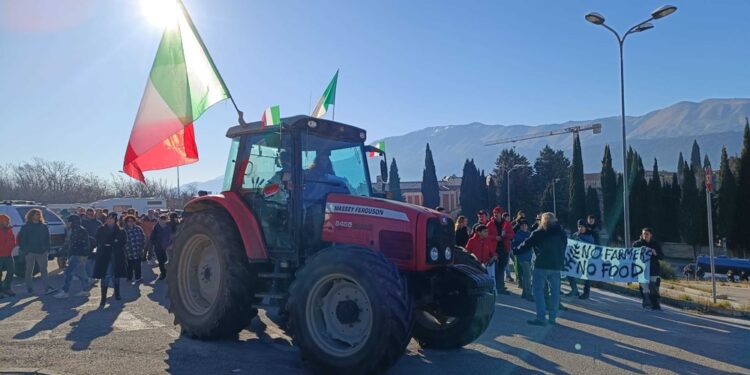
598, 19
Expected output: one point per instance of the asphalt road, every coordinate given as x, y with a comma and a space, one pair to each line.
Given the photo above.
607, 334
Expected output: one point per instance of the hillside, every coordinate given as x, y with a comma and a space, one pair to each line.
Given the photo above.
660, 134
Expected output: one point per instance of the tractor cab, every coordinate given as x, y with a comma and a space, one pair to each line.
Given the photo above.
285, 172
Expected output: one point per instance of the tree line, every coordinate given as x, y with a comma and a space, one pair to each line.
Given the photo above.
52, 182
674, 205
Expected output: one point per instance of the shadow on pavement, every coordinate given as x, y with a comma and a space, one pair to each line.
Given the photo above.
623, 337
100, 322
257, 355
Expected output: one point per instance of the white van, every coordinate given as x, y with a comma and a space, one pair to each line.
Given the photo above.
142, 205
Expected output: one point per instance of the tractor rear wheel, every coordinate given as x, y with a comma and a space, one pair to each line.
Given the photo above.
438, 328
209, 278
349, 312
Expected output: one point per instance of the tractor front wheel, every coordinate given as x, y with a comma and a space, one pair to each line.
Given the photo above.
209, 278
464, 306
349, 312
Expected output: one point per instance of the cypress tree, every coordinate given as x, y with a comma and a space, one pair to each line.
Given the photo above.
638, 196
592, 202
671, 204
430, 187
576, 188
394, 182
695, 164
618, 209
742, 234
655, 210
680, 169
491, 192
727, 199
469, 197
610, 194
690, 209
483, 191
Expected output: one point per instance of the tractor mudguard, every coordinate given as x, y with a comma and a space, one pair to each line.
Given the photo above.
474, 286
247, 225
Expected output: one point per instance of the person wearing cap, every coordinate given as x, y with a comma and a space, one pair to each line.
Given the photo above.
111, 264
582, 235
482, 217
500, 231
78, 249
7, 243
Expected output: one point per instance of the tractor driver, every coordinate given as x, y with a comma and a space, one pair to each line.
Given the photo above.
320, 179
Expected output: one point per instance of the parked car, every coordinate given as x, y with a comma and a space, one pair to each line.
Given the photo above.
17, 211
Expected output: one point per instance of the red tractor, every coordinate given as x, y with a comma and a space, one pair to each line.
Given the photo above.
298, 232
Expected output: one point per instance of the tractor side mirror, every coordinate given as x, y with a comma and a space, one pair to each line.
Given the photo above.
372, 150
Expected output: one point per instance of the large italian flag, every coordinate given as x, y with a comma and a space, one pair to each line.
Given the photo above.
183, 83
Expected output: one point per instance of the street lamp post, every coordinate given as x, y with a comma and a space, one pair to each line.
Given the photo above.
507, 178
598, 19
554, 199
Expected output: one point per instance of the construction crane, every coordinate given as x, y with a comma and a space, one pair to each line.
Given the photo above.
596, 128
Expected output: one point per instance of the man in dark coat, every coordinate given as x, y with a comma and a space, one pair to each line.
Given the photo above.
111, 262
549, 242
91, 224
161, 239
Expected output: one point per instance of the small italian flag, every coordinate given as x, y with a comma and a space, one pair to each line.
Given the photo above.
182, 85
328, 98
271, 116
380, 145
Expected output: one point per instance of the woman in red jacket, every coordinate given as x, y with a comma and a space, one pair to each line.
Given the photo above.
7, 243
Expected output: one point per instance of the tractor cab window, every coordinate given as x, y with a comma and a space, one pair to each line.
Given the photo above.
265, 176
263, 161
333, 166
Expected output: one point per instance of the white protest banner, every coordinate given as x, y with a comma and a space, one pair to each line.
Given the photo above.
609, 264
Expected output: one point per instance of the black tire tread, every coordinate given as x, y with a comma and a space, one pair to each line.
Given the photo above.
466, 330
235, 312
397, 331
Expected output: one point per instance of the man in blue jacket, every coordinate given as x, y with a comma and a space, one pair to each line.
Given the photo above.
524, 259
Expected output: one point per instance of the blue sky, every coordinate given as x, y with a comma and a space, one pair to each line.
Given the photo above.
72, 72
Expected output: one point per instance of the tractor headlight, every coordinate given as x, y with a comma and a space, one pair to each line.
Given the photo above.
434, 254
448, 253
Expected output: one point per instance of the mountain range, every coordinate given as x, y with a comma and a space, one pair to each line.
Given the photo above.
660, 134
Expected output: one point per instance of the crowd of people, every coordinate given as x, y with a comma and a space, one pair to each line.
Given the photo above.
537, 251
100, 246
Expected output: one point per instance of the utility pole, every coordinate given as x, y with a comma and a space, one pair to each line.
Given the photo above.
709, 190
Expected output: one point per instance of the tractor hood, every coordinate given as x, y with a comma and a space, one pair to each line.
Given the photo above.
398, 230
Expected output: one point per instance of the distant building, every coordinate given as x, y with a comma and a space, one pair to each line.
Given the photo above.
412, 192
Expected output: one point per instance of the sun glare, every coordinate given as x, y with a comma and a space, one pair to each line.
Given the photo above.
160, 13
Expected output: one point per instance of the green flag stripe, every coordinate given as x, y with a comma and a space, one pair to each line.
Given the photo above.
275, 115
169, 75
330, 93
